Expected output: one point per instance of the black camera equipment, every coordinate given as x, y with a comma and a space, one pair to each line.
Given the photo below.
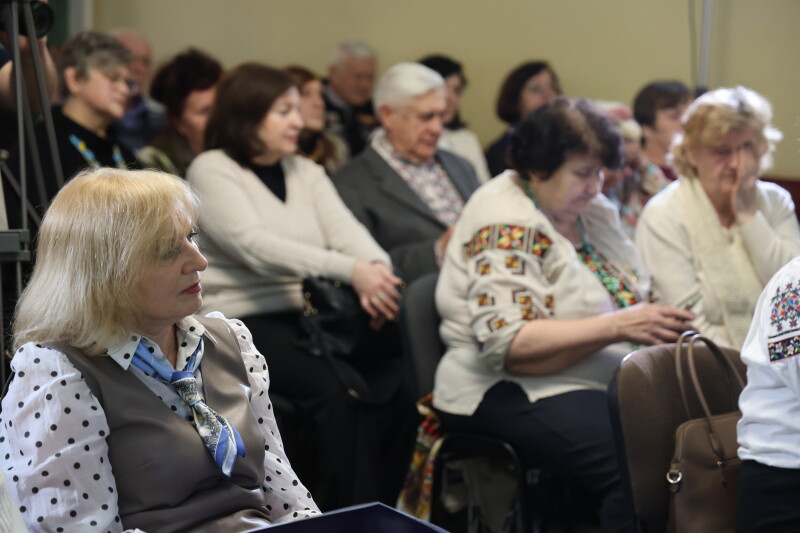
25, 17
43, 19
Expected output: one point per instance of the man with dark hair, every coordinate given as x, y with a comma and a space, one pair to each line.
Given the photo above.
658, 108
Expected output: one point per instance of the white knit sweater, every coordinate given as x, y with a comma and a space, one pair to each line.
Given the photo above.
259, 249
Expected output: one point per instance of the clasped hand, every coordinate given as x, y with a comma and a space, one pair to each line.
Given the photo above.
376, 287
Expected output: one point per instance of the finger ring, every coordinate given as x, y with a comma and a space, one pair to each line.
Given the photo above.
381, 296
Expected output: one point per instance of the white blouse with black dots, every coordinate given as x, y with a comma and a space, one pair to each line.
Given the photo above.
67, 485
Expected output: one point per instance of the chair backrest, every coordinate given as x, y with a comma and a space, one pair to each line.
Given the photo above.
646, 410
419, 326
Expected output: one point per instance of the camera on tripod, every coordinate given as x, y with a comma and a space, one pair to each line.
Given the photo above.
43, 18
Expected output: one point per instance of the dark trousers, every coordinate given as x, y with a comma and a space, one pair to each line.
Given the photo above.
769, 498
362, 447
571, 431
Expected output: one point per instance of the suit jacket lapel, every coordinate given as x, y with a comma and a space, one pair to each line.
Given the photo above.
449, 165
395, 186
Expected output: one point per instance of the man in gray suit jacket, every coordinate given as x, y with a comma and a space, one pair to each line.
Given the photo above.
406, 192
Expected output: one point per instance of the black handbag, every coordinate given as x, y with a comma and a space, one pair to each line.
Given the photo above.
333, 317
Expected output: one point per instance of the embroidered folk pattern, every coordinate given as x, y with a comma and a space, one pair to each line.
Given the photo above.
783, 349
483, 267
529, 307
485, 300
783, 320
515, 264
785, 311
496, 322
508, 237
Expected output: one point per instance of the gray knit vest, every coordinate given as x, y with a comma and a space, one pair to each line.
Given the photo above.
166, 479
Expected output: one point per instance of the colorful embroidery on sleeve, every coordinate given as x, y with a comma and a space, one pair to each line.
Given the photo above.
496, 322
515, 264
485, 300
784, 334
508, 237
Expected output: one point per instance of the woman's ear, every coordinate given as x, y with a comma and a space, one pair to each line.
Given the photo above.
71, 79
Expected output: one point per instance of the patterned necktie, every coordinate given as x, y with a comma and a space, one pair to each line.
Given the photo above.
219, 436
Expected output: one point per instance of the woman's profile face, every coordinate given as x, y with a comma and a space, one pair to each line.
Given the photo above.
170, 290
192, 122
454, 87
103, 93
536, 92
566, 194
312, 106
281, 126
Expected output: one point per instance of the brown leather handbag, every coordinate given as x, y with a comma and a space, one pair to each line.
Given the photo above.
703, 475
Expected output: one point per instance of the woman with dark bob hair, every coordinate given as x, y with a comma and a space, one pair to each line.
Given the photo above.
126, 410
525, 89
270, 219
186, 86
541, 296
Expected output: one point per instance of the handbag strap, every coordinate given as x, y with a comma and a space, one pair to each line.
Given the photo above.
679, 369
713, 435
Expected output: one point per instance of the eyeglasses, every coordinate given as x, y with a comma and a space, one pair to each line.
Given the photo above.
116, 77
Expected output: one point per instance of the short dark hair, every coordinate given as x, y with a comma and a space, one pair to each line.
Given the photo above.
658, 95
244, 97
507, 107
543, 139
190, 70
90, 49
447, 66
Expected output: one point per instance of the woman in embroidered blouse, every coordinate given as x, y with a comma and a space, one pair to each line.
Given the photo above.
715, 237
92, 440
271, 218
541, 296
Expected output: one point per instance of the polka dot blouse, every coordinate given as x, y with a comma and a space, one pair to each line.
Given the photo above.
53, 436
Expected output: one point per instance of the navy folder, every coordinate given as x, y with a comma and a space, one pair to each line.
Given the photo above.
366, 518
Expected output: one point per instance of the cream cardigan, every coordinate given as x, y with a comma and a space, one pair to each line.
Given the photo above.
260, 248
667, 235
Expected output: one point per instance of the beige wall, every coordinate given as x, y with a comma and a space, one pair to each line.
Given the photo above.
603, 49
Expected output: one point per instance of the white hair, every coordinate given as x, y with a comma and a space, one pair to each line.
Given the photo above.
346, 49
404, 82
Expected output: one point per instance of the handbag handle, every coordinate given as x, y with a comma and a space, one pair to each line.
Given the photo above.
715, 350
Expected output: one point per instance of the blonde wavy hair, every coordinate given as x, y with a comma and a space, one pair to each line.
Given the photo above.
101, 232
714, 115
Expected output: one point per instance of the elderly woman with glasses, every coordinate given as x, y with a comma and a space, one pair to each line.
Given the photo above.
713, 239
125, 409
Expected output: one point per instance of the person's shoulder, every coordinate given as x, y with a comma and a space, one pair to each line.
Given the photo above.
665, 203
210, 159
354, 170
38, 358
774, 193
302, 165
500, 197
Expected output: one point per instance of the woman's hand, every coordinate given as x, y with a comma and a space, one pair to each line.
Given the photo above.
743, 195
650, 324
376, 287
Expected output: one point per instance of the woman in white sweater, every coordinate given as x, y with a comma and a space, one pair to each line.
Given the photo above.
270, 219
714, 238
541, 295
